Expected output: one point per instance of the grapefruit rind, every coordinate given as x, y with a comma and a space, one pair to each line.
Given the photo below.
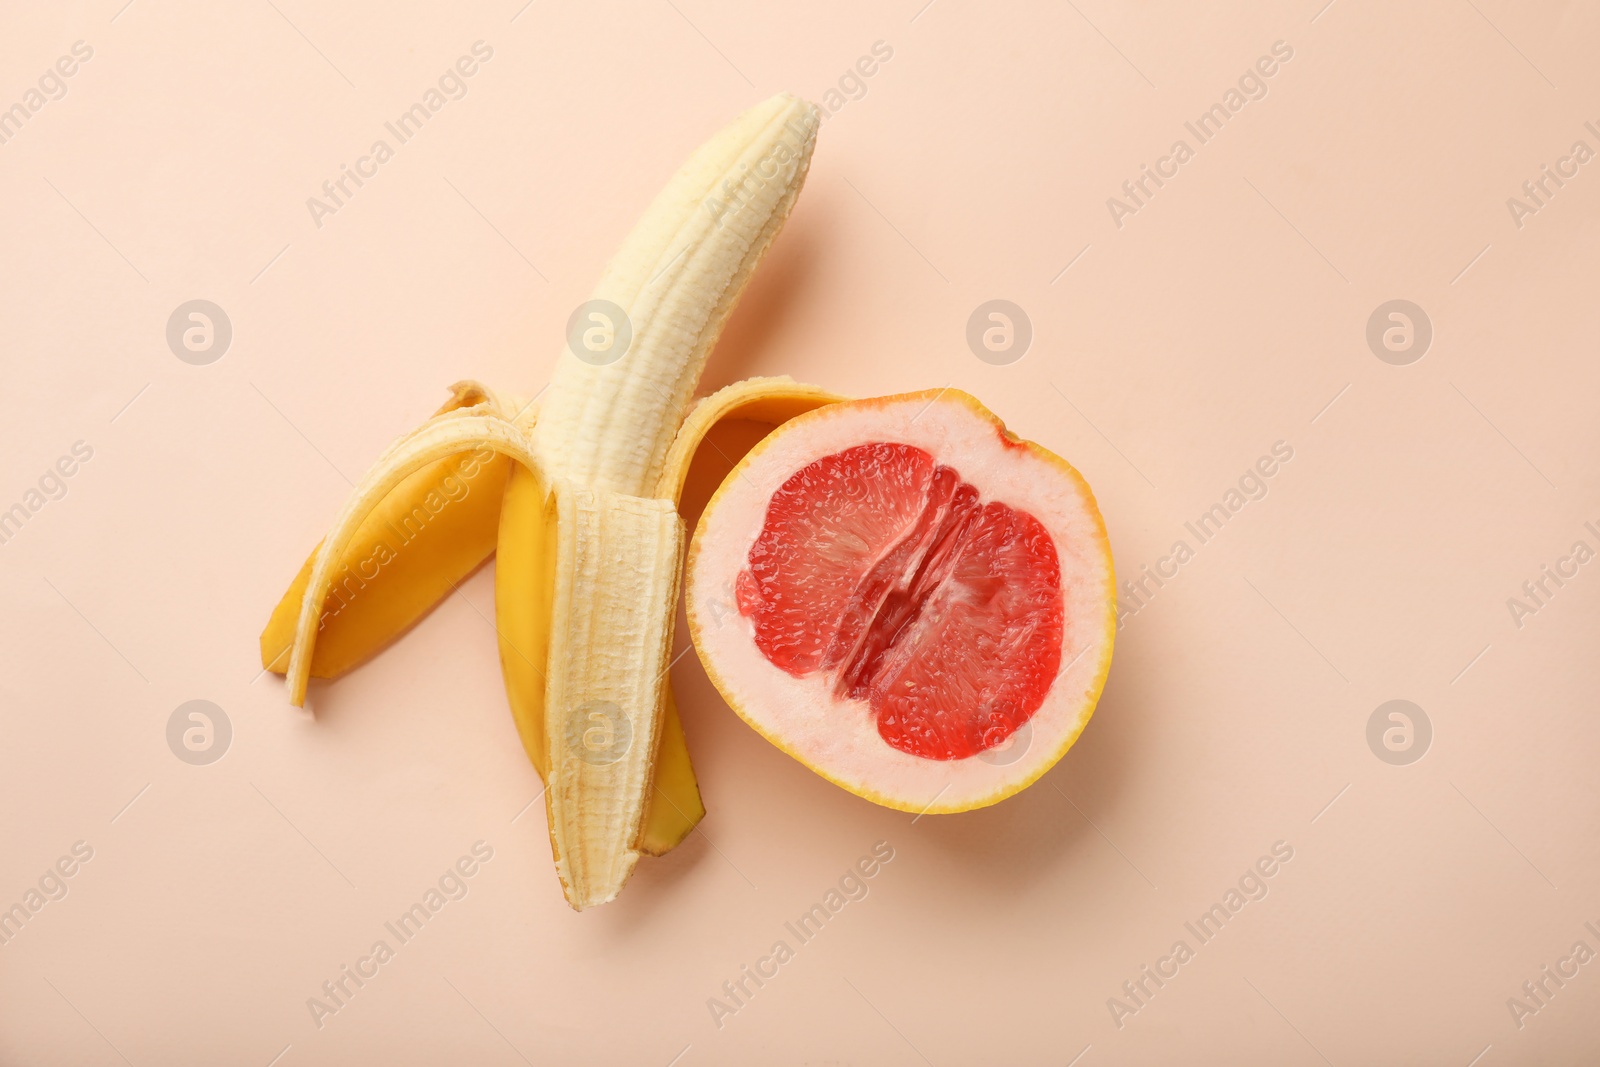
937, 420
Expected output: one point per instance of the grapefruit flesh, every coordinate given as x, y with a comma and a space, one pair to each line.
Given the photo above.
942, 612
907, 598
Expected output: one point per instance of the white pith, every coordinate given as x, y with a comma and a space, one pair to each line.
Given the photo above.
839, 737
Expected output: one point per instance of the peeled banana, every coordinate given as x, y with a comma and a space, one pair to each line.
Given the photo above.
584, 496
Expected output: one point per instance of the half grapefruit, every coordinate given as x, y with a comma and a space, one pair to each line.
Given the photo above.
907, 598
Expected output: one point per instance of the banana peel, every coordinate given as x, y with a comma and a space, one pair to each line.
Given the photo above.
587, 530
769, 402
409, 553
432, 531
371, 606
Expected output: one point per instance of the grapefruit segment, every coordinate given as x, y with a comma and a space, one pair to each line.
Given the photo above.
891, 589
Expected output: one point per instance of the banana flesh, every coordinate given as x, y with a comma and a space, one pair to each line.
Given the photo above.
677, 277
616, 590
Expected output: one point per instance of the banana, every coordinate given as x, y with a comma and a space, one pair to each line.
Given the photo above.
589, 538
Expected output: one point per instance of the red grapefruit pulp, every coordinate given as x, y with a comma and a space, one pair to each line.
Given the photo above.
891, 589
942, 612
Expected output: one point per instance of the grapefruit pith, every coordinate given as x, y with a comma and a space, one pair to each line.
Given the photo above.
908, 599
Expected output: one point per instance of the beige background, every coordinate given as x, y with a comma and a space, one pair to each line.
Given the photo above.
1227, 314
